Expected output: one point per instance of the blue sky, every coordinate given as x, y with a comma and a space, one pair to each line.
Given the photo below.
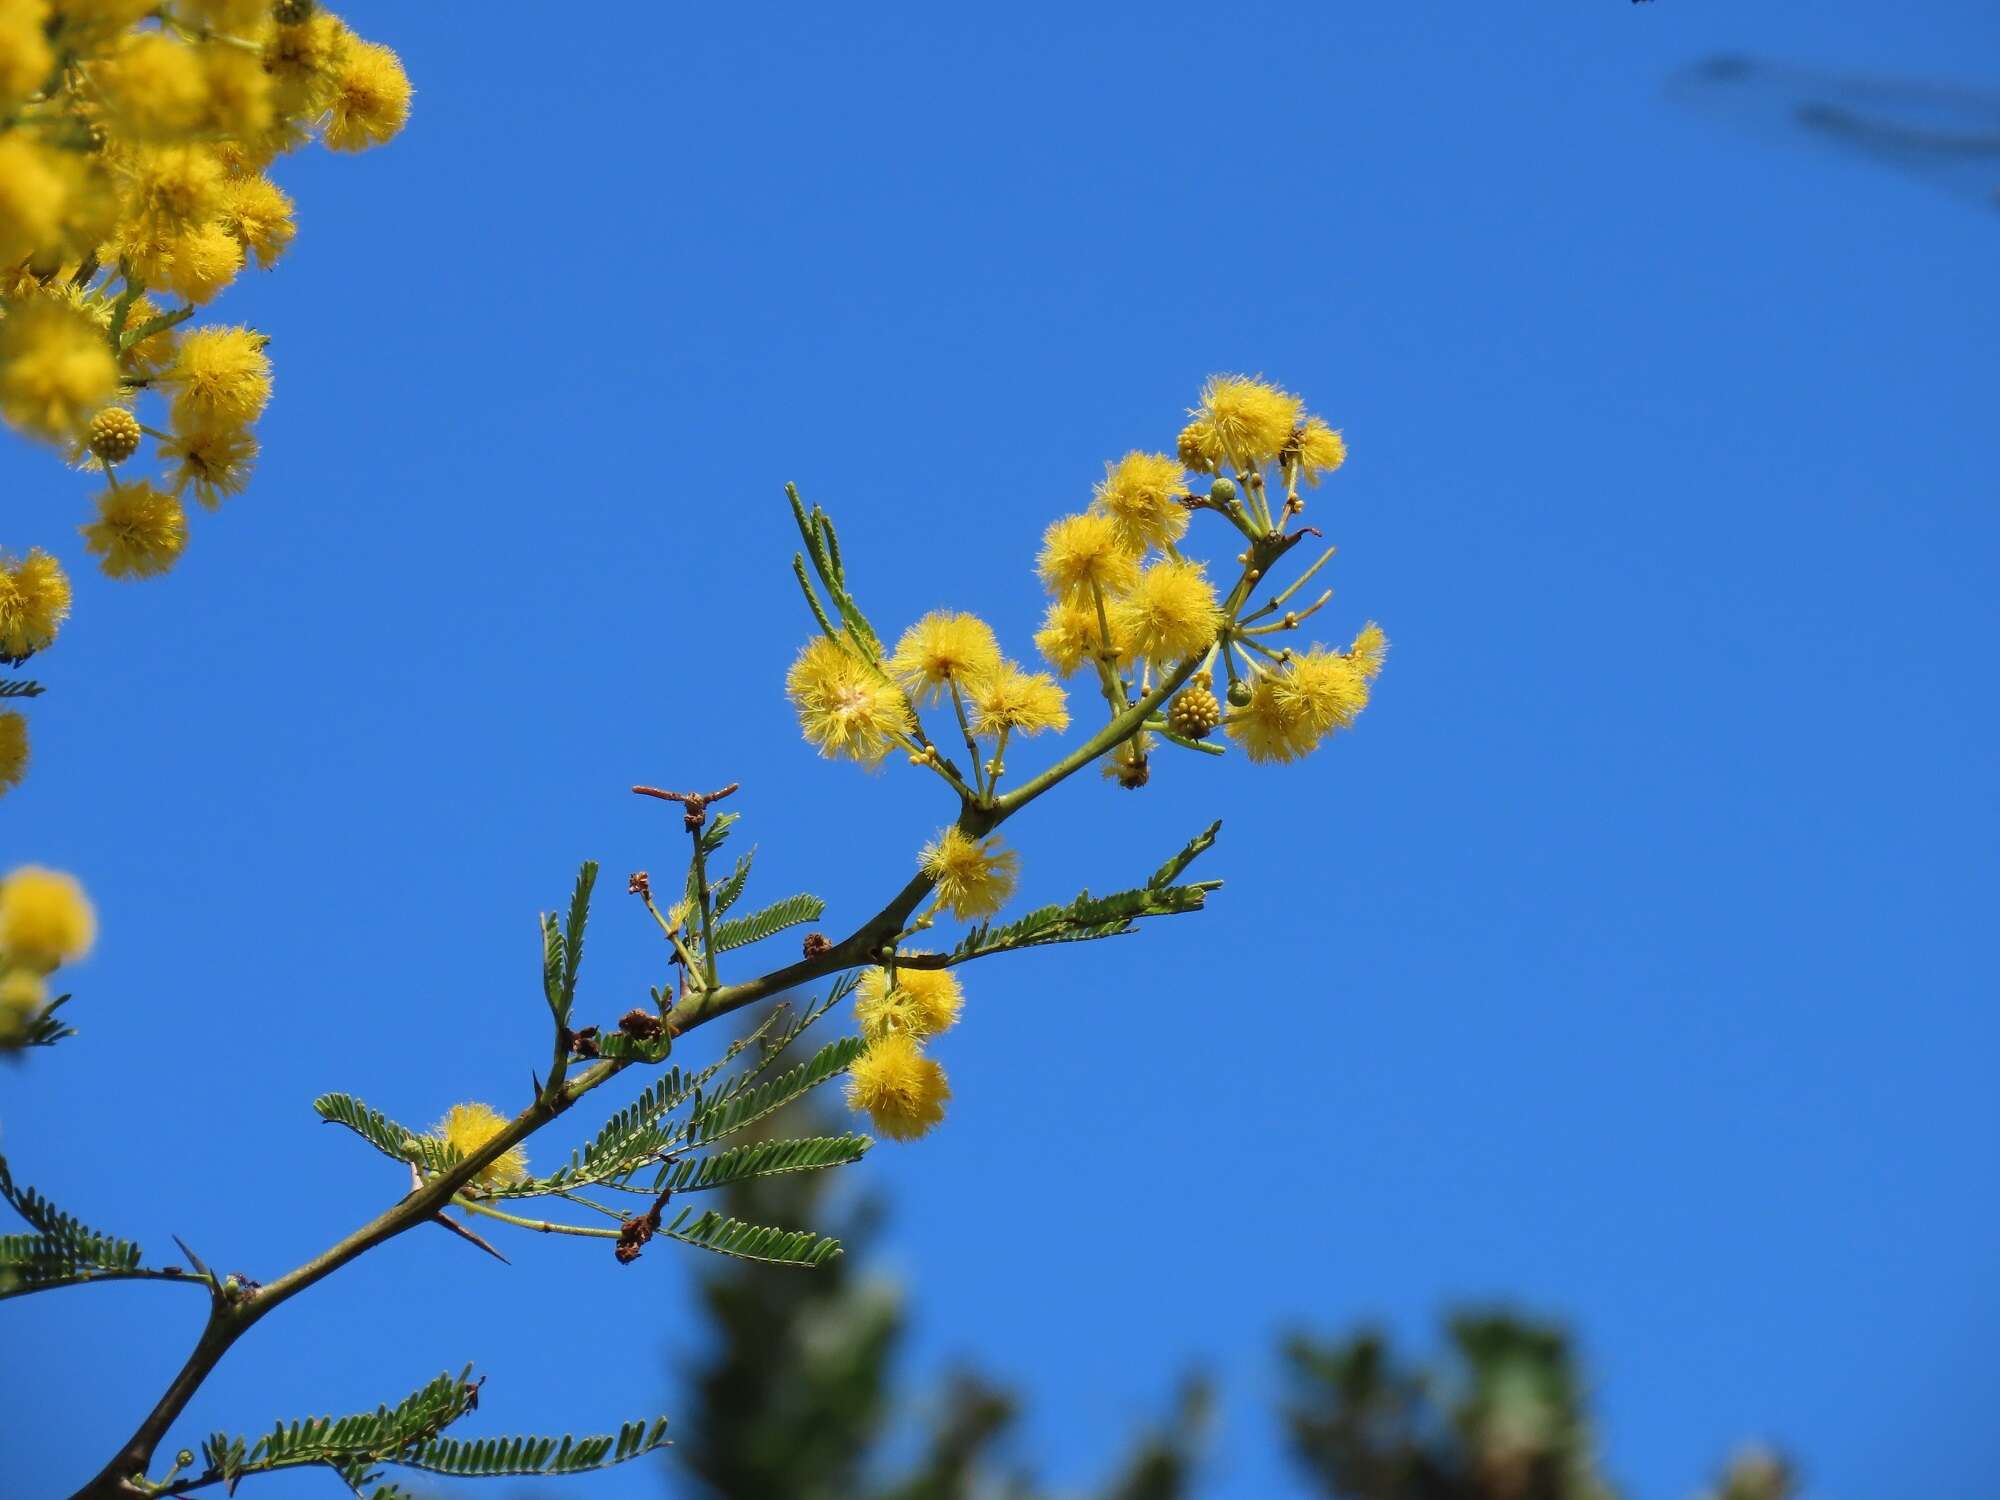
1622, 964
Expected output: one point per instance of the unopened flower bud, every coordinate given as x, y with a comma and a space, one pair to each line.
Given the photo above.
114, 435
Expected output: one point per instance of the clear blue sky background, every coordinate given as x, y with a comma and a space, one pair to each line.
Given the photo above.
1623, 964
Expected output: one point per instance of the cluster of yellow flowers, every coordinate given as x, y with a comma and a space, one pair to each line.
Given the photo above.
1127, 600
45, 922
136, 137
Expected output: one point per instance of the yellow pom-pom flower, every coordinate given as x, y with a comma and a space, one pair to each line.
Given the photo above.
1086, 549
1318, 449
216, 461
140, 531
33, 195
34, 601
259, 213
25, 58
1250, 420
371, 98
55, 370
1023, 702
239, 103
13, 749
301, 58
903, 1091
943, 648
1293, 708
1170, 614
846, 707
45, 919
153, 86
921, 1003
974, 877
1071, 635
221, 378
466, 1128
1141, 493
168, 190
199, 263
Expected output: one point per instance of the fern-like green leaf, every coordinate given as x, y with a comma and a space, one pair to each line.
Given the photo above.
45, 1030
636, 1134
739, 932
727, 1236
731, 1110
1200, 844
760, 1159
62, 1251
489, 1457
553, 954
579, 915
385, 1135
730, 889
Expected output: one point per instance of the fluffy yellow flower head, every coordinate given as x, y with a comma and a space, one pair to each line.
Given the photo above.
903, 1091
1170, 614
140, 531
1250, 420
13, 750
1318, 449
371, 97
34, 601
922, 1003
45, 919
1078, 551
153, 86
1024, 702
25, 59
198, 263
1296, 706
943, 648
221, 377
301, 59
467, 1127
974, 877
259, 213
846, 707
1141, 493
33, 194
169, 189
239, 92
55, 369
216, 460
1071, 635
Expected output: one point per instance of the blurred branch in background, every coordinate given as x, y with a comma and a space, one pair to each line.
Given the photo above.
1945, 135
1503, 1415
794, 1396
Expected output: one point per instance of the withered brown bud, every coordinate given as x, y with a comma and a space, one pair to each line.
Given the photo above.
642, 1025
639, 884
584, 1042
816, 944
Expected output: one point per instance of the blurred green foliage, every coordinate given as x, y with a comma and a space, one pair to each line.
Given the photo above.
793, 1397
